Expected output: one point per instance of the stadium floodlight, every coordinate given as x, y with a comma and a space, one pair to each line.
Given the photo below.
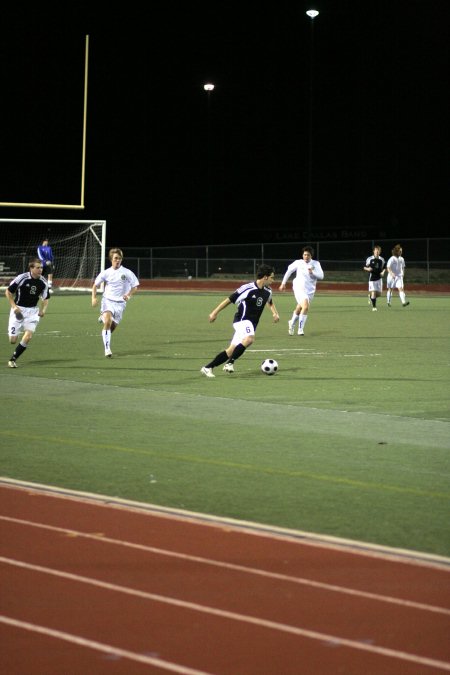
208, 87
312, 13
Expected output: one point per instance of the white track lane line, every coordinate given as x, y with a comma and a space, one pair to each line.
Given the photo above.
235, 616
232, 566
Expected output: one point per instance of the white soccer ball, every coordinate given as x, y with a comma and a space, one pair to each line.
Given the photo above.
269, 366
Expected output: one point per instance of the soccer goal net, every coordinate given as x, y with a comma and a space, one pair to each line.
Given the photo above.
78, 248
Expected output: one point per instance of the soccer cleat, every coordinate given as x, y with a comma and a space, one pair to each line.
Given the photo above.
228, 368
100, 320
300, 332
389, 304
207, 371
374, 309
405, 304
12, 364
291, 327
108, 353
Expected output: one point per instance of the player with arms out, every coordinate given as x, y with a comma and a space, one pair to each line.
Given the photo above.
45, 255
250, 300
375, 265
307, 273
396, 272
25, 293
120, 284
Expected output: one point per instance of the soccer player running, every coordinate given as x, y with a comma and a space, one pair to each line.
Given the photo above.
45, 255
250, 300
120, 284
375, 265
307, 273
28, 295
396, 272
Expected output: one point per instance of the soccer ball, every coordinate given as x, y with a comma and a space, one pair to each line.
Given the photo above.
269, 366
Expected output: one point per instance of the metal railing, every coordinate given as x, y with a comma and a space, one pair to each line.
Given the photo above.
427, 260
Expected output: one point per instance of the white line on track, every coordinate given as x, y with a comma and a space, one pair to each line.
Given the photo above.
235, 616
101, 647
232, 566
329, 542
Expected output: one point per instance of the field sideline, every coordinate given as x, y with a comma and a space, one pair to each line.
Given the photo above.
350, 439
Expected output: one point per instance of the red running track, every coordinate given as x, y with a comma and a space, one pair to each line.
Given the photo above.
92, 587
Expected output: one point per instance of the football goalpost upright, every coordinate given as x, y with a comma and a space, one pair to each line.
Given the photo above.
78, 249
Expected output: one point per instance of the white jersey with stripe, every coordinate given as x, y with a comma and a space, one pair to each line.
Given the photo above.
118, 282
303, 280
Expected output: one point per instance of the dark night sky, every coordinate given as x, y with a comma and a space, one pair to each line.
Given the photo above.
156, 143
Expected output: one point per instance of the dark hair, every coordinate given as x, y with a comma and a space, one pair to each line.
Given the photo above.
308, 249
33, 261
264, 271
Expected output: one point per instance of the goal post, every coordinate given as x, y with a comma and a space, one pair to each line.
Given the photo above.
79, 249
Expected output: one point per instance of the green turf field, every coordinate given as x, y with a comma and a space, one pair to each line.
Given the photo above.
350, 438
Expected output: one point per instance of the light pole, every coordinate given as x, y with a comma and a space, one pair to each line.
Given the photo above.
209, 87
312, 13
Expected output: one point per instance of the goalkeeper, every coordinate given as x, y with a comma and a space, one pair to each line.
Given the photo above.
45, 254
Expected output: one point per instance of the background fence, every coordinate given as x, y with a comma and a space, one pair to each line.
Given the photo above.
427, 260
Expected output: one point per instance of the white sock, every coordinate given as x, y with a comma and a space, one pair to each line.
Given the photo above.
389, 296
302, 321
402, 296
106, 335
294, 319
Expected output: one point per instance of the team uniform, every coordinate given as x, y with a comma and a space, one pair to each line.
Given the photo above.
250, 301
396, 270
27, 291
304, 284
118, 282
45, 255
396, 267
375, 276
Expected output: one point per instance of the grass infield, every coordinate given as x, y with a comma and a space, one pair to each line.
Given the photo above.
350, 438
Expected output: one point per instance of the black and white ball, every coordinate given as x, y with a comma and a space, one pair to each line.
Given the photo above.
269, 366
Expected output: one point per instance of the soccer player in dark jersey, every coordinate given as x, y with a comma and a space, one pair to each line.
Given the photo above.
24, 293
376, 267
250, 300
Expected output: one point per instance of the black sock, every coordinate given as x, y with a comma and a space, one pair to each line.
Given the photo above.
18, 351
217, 360
238, 351
373, 301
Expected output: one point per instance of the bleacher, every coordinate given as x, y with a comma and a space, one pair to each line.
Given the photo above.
6, 274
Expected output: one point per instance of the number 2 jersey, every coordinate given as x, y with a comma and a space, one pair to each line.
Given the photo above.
27, 290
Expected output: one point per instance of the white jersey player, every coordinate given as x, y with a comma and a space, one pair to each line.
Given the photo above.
396, 272
307, 273
120, 284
